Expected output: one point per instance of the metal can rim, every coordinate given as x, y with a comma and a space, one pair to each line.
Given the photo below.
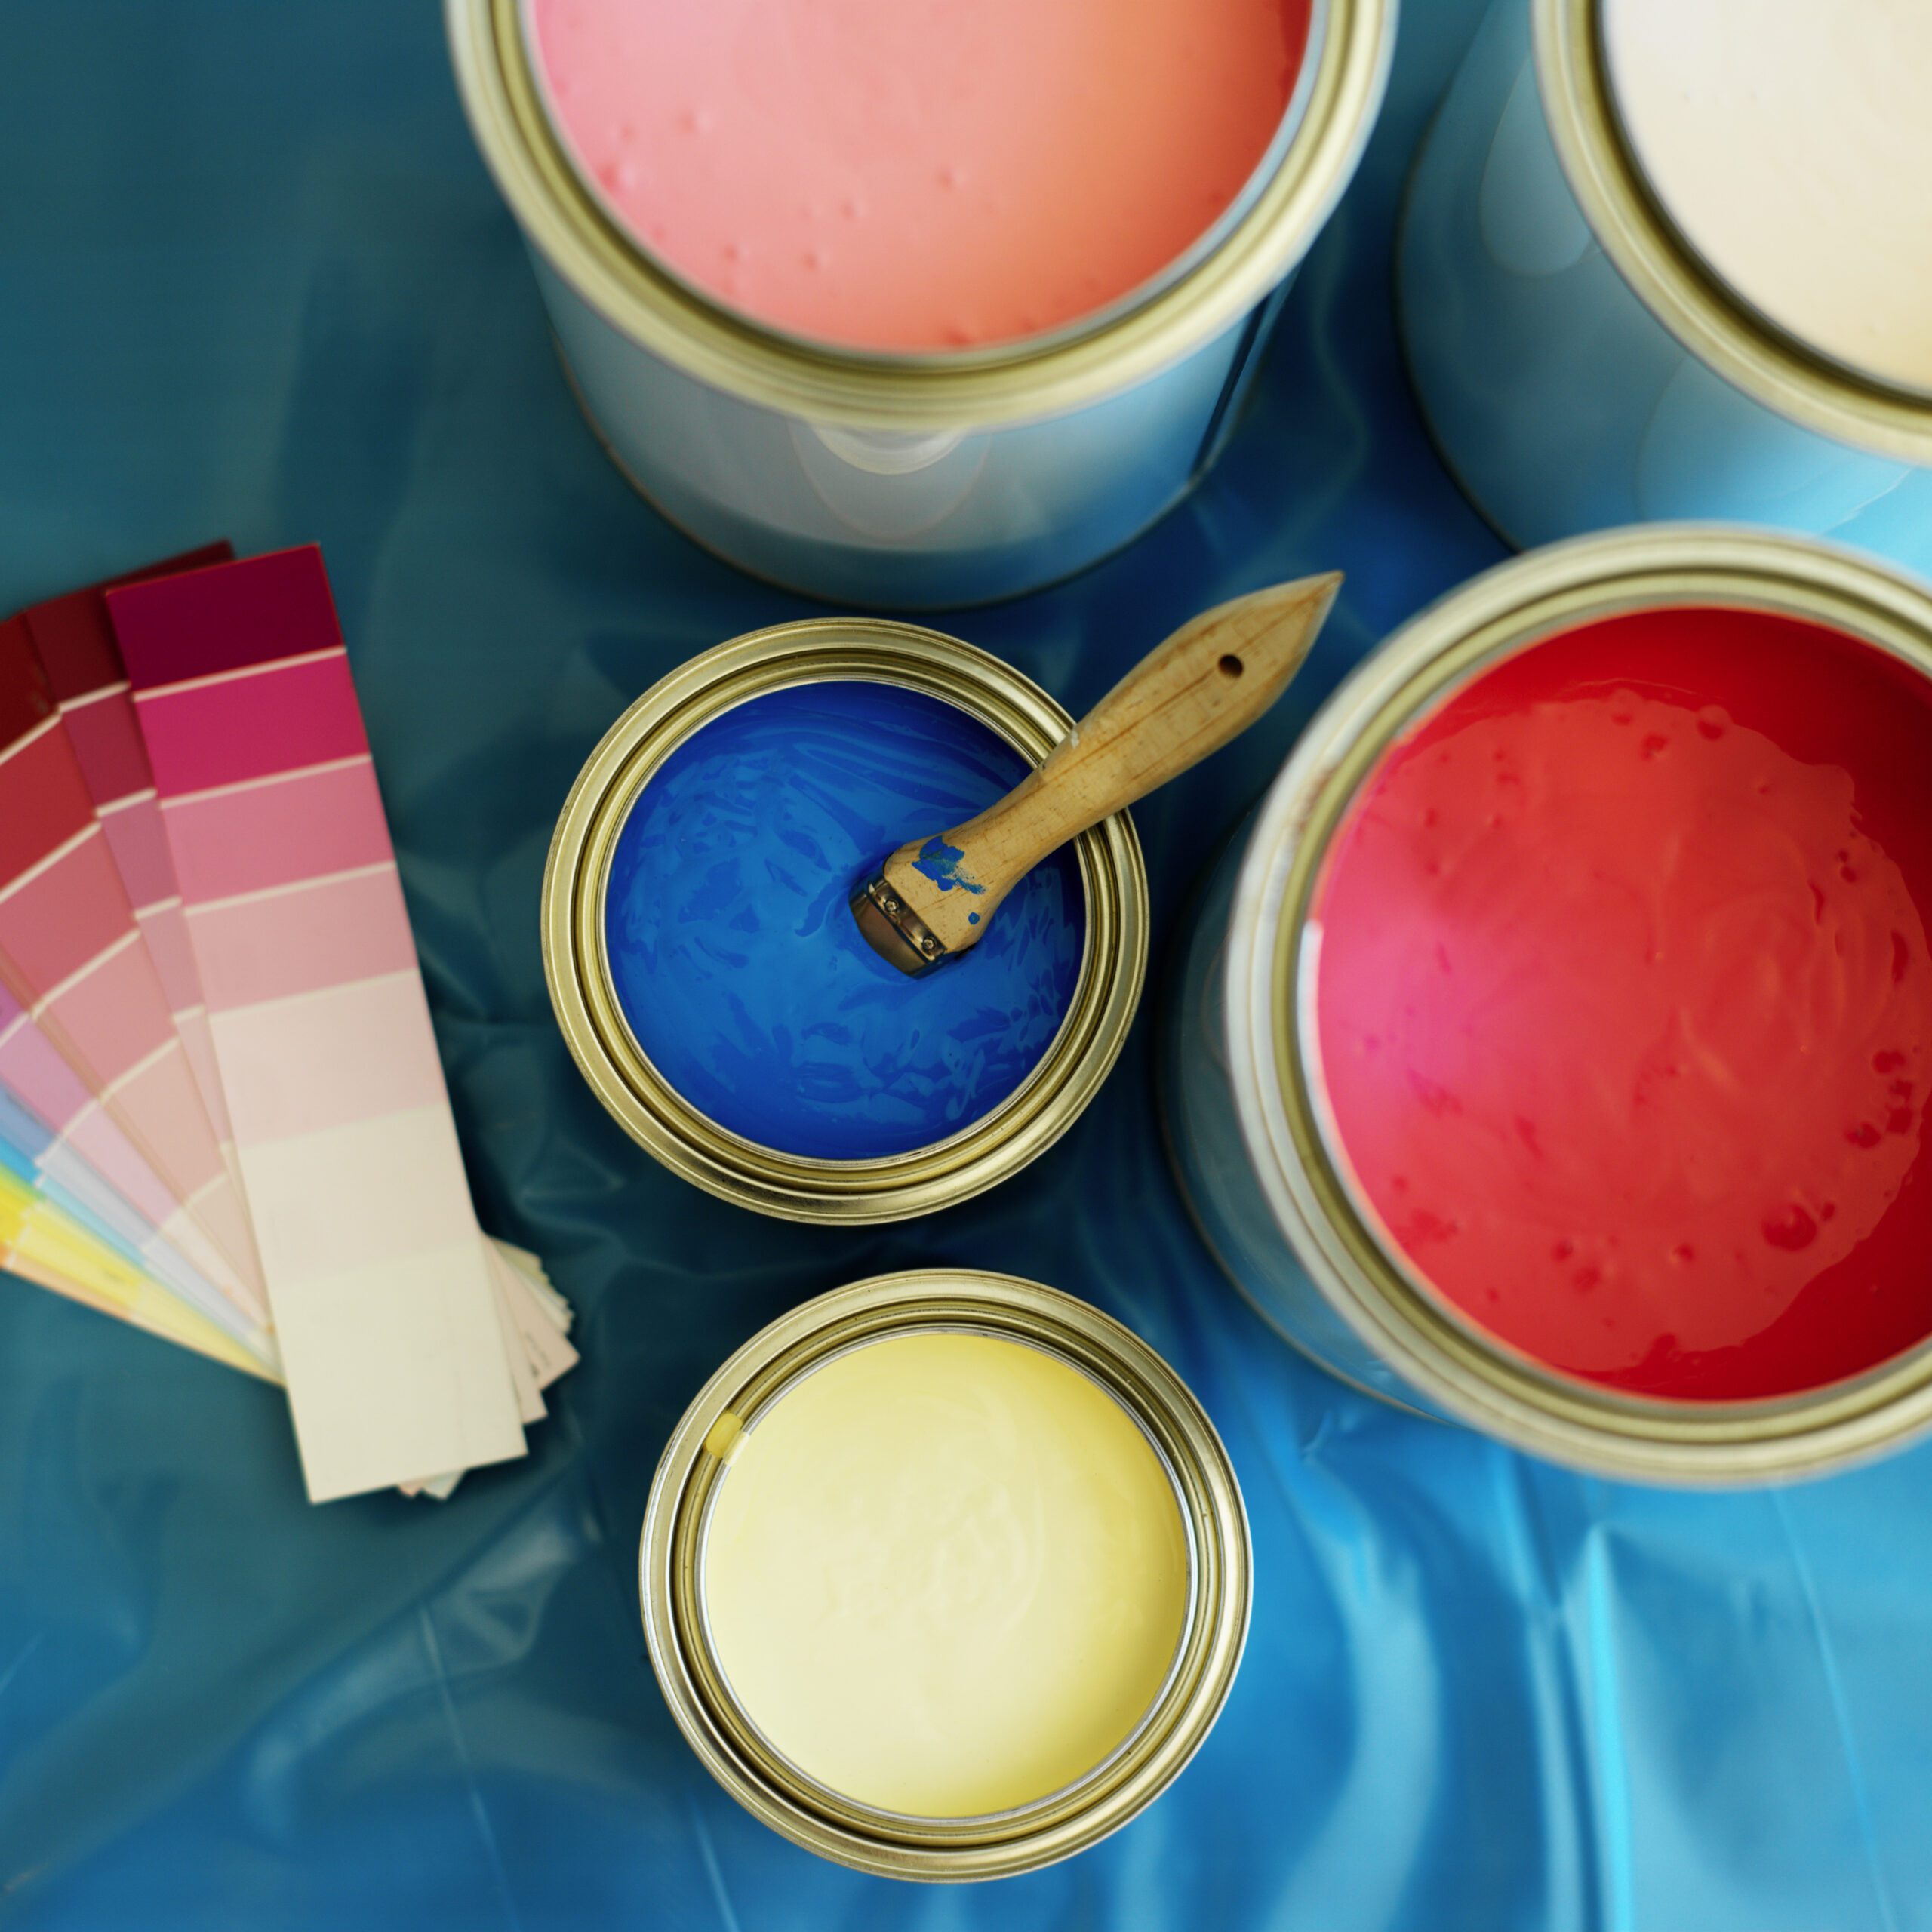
1345, 72
1726, 333
1221, 1591
1448, 1360
1106, 994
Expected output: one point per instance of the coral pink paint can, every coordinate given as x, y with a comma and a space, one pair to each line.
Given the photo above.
921, 178
915, 305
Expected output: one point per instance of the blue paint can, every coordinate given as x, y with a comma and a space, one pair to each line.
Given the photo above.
709, 978
1578, 363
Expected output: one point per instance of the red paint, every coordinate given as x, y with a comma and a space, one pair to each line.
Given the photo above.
1625, 1004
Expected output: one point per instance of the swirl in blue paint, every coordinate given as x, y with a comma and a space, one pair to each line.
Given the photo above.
739, 967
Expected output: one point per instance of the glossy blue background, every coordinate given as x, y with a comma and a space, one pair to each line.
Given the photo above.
254, 281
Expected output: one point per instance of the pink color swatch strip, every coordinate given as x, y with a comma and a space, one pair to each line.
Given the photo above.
34, 1075
307, 826
74, 642
139, 847
383, 1298
54, 919
251, 724
107, 741
72, 955
44, 800
324, 933
39, 1077
306, 1085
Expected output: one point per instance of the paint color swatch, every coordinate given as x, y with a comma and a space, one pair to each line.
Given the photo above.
60, 1238
385, 1301
72, 955
75, 643
41, 1244
84, 1211
41, 1161
53, 1120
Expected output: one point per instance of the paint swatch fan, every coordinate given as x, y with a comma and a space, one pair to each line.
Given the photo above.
223, 1116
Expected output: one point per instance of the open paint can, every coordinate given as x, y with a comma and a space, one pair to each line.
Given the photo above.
945, 1575
1553, 1054
1579, 259
713, 986
918, 477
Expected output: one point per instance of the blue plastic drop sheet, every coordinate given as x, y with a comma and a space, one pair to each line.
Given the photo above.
254, 281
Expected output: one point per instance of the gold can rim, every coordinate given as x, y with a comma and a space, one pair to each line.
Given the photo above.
1726, 333
1345, 71
1105, 995
1270, 994
1189, 1703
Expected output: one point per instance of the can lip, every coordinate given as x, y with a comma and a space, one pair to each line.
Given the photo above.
1345, 72
1726, 333
1106, 995
1221, 1576
1451, 1361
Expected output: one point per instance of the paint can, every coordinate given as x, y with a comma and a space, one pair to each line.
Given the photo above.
915, 481
1578, 365
665, 1121
1249, 1122
672, 1574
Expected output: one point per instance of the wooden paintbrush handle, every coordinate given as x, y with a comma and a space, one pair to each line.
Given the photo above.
1206, 684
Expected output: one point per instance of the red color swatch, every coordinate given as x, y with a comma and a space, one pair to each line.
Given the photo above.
75, 644
73, 638
25, 700
272, 607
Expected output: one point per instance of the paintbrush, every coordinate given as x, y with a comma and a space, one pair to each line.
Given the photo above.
936, 896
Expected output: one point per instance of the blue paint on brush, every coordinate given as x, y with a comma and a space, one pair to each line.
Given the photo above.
939, 862
740, 968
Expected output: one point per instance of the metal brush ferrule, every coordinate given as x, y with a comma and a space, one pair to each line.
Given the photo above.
893, 930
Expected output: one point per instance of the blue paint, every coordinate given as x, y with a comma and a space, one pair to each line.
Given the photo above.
939, 862
738, 965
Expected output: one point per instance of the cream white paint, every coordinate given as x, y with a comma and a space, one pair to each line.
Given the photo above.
1791, 141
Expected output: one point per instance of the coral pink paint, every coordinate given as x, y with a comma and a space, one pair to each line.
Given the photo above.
1625, 1007
919, 174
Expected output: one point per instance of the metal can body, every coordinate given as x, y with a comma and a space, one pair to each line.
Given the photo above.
695, 1687
1106, 995
1245, 1113
1579, 367
1212, 1121
916, 482
914, 521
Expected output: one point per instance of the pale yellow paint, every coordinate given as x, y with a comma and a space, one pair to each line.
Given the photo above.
945, 1574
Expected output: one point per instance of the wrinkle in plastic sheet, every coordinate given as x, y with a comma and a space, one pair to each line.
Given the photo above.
253, 281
